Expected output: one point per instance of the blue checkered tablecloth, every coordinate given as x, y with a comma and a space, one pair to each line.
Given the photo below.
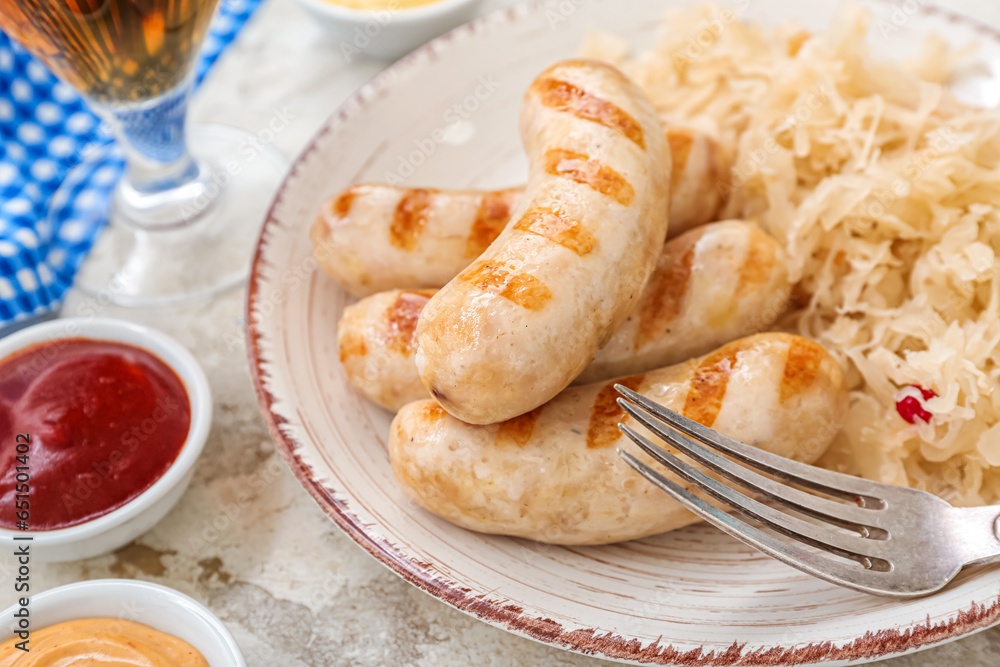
45, 130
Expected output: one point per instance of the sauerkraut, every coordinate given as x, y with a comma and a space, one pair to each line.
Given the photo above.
885, 190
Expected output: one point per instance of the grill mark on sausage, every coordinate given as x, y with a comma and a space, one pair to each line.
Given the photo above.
517, 431
565, 96
401, 320
410, 218
593, 173
352, 344
602, 430
491, 218
664, 296
801, 367
757, 266
557, 227
522, 289
680, 141
708, 384
342, 204
432, 412
714, 174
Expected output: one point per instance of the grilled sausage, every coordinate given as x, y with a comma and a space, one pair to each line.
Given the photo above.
375, 337
554, 474
699, 169
372, 237
518, 325
710, 286
375, 237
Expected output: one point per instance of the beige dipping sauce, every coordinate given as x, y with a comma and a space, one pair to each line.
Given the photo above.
101, 642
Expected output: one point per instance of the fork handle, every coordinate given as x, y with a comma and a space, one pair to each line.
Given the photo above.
975, 533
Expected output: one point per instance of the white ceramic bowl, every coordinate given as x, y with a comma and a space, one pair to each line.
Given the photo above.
121, 526
157, 606
388, 33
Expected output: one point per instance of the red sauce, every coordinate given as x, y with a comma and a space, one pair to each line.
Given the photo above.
105, 422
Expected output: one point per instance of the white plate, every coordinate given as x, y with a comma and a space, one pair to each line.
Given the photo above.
692, 597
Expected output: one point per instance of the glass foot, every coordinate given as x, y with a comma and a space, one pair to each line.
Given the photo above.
210, 251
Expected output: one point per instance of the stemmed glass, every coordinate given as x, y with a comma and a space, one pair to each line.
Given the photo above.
183, 218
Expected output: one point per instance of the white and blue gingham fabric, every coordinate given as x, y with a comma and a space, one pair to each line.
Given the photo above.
45, 130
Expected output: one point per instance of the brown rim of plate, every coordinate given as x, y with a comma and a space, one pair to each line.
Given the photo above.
510, 616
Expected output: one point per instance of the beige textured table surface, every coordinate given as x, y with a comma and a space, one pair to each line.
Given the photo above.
294, 590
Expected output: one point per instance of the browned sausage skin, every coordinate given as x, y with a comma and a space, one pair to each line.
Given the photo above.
554, 474
376, 237
523, 320
711, 285
699, 168
372, 238
375, 337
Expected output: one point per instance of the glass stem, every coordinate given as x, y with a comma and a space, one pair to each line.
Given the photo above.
163, 187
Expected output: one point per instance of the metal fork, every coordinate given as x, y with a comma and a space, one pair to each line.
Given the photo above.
871, 537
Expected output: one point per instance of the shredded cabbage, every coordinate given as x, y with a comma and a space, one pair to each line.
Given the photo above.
885, 191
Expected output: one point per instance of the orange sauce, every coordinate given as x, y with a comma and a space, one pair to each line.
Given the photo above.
101, 642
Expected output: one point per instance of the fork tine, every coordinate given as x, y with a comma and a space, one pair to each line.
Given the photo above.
789, 553
832, 483
846, 516
848, 546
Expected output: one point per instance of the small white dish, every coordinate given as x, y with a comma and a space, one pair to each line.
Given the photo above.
389, 33
157, 606
119, 527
